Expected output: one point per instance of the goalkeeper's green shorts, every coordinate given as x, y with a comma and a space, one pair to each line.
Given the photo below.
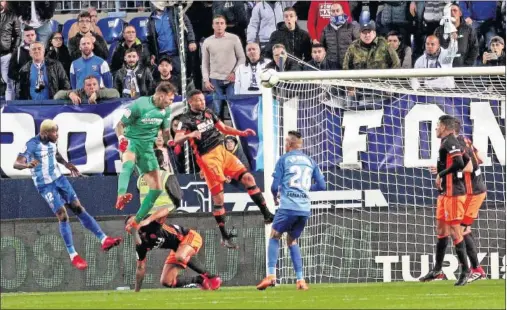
146, 160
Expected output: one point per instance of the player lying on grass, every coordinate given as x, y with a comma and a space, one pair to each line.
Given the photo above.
292, 179
476, 193
41, 157
183, 244
204, 131
450, 202
137, 131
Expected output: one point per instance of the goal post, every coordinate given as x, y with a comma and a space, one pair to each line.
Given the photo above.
372, 132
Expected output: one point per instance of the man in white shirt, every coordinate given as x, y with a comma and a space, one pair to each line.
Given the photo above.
434, 57
248, 74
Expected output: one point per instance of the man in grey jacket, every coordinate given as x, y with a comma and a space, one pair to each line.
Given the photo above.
90, 92
265, 16
338, 35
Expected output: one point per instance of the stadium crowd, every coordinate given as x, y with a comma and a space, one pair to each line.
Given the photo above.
229, 43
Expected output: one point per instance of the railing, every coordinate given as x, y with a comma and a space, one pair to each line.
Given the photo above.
74, 7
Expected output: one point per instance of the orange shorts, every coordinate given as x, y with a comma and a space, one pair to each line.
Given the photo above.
192, 239
218, 164
471, 208
450, 209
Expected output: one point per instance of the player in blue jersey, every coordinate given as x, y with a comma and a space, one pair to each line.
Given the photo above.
293, 176
41, 156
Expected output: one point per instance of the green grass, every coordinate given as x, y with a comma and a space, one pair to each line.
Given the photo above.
441, 295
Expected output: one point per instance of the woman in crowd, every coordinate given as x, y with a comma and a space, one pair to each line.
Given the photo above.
395, 40
56, 50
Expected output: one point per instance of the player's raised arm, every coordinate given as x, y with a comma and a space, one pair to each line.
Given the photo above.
228, 130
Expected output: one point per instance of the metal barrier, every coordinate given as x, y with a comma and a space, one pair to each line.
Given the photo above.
74, 7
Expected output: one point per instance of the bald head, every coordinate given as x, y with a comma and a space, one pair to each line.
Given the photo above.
432, 45
86, 45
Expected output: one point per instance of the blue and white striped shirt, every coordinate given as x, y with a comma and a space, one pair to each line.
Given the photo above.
47, 171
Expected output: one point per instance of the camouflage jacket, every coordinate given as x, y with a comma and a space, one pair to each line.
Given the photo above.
378, 56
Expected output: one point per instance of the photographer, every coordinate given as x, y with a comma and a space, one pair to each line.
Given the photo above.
40, 78
496, 54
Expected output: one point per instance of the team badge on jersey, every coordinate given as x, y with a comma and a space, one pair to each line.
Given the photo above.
127, 113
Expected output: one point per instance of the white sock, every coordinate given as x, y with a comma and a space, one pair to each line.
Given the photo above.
103, 239
73, 255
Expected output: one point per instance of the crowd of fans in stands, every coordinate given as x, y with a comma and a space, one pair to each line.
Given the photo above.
229, 43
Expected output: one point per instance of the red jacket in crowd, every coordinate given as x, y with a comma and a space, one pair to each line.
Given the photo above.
318, 16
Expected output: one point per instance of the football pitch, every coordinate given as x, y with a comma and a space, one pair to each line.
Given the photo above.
401, 295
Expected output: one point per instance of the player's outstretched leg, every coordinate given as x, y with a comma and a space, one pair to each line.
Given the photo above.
219, 215
91, 224
477, 272
205, 279
124, 179
154, 182
66, 233
255, 193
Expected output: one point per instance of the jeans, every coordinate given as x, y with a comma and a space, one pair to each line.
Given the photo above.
223, 91
484, 29
44, 32
4, 69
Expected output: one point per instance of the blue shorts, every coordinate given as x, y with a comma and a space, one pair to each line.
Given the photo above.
58, 193
286, 221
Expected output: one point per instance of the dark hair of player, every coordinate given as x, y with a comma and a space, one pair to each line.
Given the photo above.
193, 92
295, 133
448, 121
165, 87
131, 50
457, 126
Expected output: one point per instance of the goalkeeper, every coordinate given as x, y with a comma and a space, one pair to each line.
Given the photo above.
137, 131
294, 172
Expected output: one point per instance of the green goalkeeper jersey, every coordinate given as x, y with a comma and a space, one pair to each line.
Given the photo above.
143, 119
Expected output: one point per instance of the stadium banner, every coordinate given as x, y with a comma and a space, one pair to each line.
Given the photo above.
34, 259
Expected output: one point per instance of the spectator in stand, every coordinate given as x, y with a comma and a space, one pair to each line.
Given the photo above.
481, 16
164, 73
296, 40
10, 38
235, 15
89, 64
55, 49
320, 60
319, 17
39, 78
370, 51
91, 92
100, 46
395, 41
232, 145
248, 74
222, 53
21, 54
163, 38
280, 61
134, 79
35, 14
74, 29
265, 16
468, 47
130, 40
496, 54
434, 57
394, 17
338, 34
201, 15
428, 15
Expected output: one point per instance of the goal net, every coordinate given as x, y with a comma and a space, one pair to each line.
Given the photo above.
373, 135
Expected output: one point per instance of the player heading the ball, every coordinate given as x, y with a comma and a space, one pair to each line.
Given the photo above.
137, 131
292, 179
41, 157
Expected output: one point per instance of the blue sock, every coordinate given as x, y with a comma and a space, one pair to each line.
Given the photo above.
272, 255
297, 261
66, 233
91, 224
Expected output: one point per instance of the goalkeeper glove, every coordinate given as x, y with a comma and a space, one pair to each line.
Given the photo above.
123, 143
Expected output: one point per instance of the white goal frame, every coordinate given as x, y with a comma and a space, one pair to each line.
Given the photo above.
270, 148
